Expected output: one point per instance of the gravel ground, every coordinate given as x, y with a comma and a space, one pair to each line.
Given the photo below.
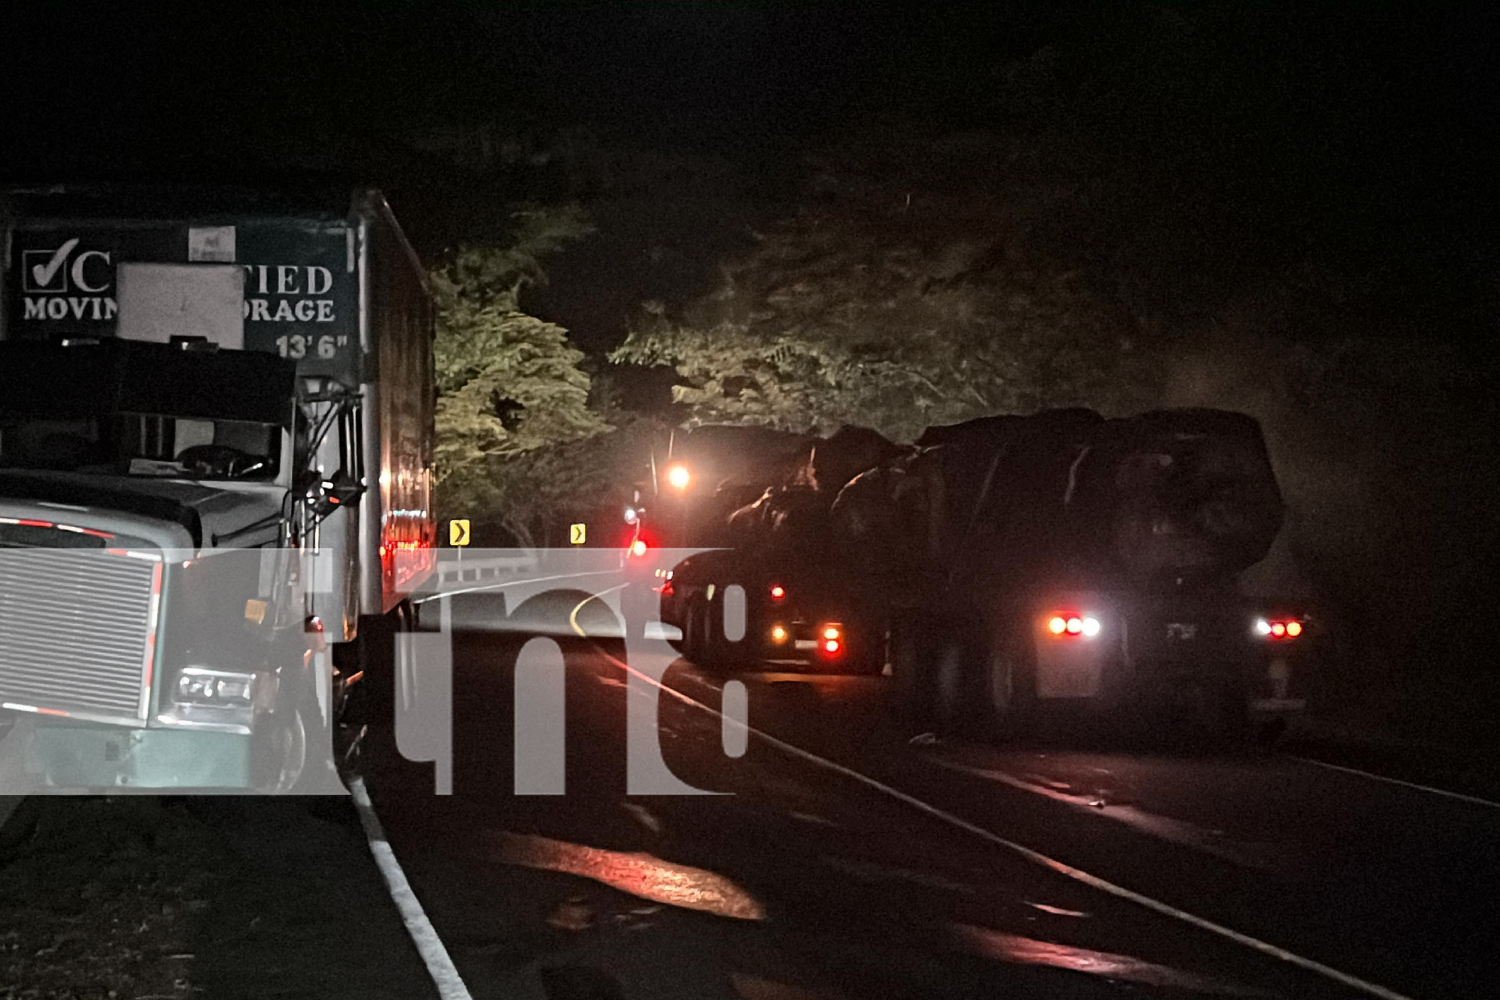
141, 898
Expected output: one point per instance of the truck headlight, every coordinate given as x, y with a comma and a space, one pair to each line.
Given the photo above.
199, 686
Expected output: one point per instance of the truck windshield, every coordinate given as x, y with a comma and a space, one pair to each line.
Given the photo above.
141, 444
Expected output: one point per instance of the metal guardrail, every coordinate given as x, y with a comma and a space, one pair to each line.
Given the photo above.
478, 571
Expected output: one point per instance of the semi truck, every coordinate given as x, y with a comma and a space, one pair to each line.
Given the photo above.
776, 584
216, 442
1007, 567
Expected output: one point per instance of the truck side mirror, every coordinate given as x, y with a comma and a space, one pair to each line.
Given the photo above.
324, 496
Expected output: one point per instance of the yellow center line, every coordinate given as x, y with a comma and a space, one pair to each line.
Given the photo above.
573, 617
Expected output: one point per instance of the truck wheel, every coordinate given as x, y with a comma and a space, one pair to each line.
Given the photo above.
295, 742
1232, 727
910, 691
954, 680
365, 683
692, 632
1010, 684
287, 755
717, 653
867, 658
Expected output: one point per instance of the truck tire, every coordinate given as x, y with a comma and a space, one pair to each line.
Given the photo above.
692, 632
716, 652
295, 754
867, 661
1232, 728
1010, 682
956, 678
910, 691
371, 658
868, 652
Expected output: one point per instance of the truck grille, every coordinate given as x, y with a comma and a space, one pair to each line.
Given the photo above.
77, 631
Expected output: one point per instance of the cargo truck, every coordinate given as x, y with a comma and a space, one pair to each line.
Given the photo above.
1008, 567
216, 440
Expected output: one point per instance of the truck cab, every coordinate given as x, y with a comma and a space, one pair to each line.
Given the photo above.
210, 484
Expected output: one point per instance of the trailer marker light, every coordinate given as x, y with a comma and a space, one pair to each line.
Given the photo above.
1058, 625
1290, 628
777, 591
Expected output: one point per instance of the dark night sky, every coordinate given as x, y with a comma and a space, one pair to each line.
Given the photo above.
703, 75
1380, 112
111, 78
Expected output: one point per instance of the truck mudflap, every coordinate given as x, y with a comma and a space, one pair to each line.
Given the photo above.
1071, 663
1273, 694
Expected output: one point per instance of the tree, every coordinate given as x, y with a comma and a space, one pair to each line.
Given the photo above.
508, 382
893, 312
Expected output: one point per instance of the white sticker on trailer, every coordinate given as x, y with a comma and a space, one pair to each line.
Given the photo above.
160, 301
211, 243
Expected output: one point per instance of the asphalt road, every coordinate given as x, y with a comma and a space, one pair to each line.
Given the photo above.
843, 860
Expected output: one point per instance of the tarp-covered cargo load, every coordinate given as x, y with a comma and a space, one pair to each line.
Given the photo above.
1188, 493
1164, 495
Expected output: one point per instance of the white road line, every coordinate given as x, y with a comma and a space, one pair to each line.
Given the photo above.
1471, 799
439, 966
1036, 857
502, 584
1174, 831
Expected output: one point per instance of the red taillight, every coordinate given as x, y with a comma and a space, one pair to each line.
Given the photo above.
830, 645
777, 591
1289, 628
638, 547
1070, 624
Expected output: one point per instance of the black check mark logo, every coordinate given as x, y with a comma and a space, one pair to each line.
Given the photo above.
44, 274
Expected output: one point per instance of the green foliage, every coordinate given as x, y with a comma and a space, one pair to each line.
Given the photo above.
508, 383
878, 311
536, 494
